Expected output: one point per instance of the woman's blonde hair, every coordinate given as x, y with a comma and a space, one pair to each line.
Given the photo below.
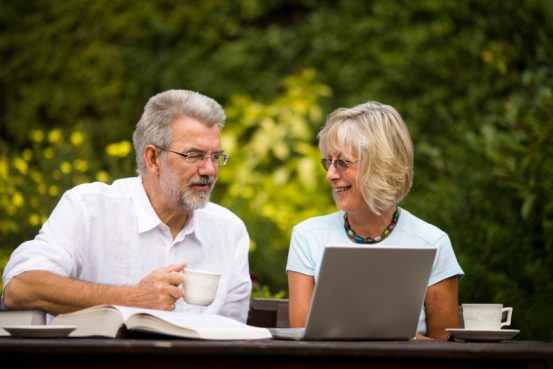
376, 136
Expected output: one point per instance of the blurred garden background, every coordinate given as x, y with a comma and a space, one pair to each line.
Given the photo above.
473, 80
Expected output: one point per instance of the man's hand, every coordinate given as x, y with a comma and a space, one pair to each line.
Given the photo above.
158, 290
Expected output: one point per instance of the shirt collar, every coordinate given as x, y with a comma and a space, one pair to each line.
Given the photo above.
148, 219
146, 216
193, 227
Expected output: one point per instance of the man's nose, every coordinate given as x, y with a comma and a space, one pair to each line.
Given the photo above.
208, 167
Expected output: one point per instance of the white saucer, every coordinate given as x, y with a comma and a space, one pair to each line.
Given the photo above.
40, 331
482, 335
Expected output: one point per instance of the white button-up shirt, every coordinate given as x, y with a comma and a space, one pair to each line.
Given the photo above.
110, 234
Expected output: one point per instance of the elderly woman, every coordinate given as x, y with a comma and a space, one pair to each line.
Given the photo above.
368, 155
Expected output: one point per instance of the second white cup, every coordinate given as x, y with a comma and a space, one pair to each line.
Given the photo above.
486, 316
199, 287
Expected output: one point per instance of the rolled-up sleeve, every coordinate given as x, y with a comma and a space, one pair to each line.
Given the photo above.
54, 249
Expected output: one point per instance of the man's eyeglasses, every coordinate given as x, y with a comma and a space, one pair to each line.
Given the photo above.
339, 164
217, 158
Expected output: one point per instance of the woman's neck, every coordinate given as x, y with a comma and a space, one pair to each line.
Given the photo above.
368, 224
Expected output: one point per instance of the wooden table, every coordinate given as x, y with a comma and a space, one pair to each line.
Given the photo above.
157, 353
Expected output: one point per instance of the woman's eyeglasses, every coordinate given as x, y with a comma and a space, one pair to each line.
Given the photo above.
339, 164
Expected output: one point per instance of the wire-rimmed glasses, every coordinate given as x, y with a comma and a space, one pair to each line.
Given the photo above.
198, 157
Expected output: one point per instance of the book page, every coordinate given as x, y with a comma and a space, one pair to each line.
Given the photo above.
200, 322
102, 320
107, 321
127, 311
206, 326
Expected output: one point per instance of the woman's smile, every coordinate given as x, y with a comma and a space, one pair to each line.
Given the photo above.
342, 189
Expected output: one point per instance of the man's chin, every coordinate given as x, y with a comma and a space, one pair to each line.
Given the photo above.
202, 204
197, 203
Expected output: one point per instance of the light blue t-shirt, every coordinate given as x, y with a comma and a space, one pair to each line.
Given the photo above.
310, 237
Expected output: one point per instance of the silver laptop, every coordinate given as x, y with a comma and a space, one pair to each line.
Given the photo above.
366, 293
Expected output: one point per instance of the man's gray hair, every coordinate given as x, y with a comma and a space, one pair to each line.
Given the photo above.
162, 109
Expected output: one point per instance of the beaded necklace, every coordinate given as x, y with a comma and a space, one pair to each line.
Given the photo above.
358, 239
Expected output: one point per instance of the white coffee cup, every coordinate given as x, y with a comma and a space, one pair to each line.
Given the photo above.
199, 287
486, 316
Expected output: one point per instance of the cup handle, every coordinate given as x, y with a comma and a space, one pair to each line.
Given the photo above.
506, 311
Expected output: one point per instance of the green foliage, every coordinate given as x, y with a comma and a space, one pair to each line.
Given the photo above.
513, 254
32, 180
263, 291
473, 80
275, 180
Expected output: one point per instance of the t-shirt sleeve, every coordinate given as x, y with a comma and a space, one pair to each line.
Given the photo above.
445, 263
300, 258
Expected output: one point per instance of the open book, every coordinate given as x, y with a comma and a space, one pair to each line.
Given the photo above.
113, 321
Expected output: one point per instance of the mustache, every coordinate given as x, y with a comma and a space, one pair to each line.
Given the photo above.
203, 180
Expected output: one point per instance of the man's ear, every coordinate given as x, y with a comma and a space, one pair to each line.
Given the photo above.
152, 160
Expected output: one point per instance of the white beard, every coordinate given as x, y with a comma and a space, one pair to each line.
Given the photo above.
184, 194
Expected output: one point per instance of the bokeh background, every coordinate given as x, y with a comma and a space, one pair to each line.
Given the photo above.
473, 80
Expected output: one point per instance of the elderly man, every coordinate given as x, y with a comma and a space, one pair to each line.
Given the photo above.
126, 243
